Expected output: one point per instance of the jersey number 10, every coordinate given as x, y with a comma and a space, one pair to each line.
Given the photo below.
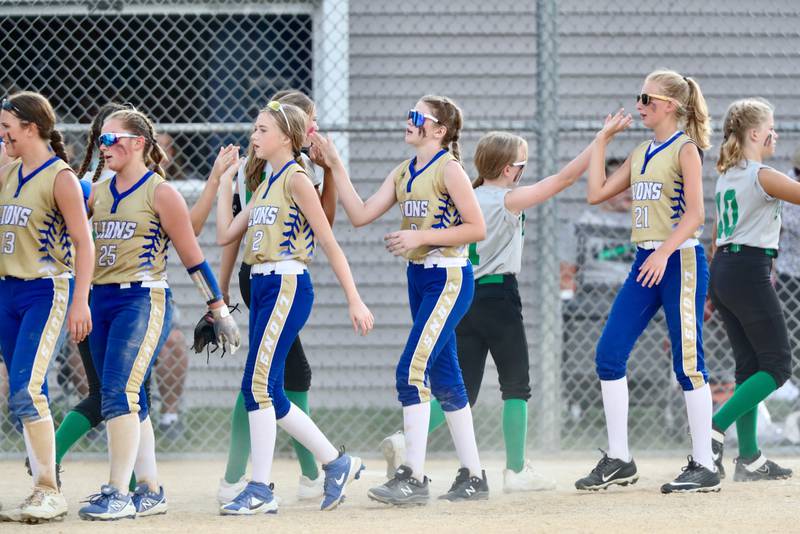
727, 213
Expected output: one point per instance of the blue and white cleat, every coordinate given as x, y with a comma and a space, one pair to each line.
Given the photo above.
338, 474
108, 505
149, 502
256, 498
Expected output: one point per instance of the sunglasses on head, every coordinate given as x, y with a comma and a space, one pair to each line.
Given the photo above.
8, 105
111, 139
274, 105
417, 118
645, 98
521, 166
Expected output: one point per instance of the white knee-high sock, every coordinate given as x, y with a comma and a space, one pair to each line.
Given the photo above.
615, 406
123, 446
31, 455
262, 443
300, 426
415, 428
145, 467
41, 444
698, 410
463, 433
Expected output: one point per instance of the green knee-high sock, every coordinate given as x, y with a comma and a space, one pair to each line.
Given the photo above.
308, 465
437, 416
239, 450
515, 432
747, 432
746, 397
74, 426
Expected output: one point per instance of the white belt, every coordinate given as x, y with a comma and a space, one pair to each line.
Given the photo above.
653, 245
440, 261
161, 284
279, 267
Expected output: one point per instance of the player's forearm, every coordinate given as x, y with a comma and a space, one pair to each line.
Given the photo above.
228, 261
84, 269
328, 198
597, 171
462, 234
201, 209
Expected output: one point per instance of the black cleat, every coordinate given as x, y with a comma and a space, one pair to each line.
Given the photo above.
467, 488
694, 478
402, 490
759, 468
609, 471
717, 448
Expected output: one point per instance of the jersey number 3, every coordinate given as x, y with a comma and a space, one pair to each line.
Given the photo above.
8, 243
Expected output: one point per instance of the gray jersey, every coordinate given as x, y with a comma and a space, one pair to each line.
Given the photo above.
746, 214
501, 251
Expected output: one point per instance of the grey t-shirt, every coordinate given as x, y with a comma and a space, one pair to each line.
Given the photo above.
501, 251
746, 214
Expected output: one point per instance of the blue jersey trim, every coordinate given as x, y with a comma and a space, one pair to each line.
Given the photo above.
274, 178
649, 155
22, 180
118, 197
414, 172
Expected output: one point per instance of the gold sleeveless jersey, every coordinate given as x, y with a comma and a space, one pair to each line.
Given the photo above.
657, 191
34, 242
130, 244
277, 230
425, 203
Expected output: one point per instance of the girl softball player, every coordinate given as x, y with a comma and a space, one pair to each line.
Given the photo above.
440, 216
280, 225
665, 177
494, 321
748, 214
135, 215
87, 414
41, 215
297, 373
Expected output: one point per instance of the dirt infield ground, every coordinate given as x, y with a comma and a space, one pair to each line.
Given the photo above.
191, 488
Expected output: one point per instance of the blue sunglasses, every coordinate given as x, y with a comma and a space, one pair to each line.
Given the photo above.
417, 118
111, 139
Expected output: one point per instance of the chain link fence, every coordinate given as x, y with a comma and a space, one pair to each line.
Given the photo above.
545, 70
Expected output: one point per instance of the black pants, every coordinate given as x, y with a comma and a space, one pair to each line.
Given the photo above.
90, 406
297, 373
741, 292
494, 323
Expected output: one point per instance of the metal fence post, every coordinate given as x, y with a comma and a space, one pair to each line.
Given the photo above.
548, 303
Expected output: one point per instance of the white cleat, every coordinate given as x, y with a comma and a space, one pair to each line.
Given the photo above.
308, 489
12, 515
526, 480
394, 450
228, 492
43, 506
